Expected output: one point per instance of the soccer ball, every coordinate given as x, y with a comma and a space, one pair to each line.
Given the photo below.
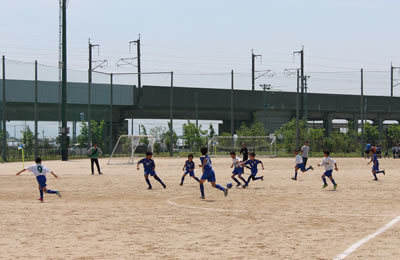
229, 185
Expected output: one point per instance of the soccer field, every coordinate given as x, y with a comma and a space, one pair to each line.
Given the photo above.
114, 216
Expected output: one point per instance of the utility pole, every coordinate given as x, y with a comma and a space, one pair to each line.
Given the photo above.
232, 105
392, 85
36, 148
171, 115
253, 69
362, 112
297, 111
305, 99
301, 52
90, 70
265, 87
196, 103
4, 115
64, 130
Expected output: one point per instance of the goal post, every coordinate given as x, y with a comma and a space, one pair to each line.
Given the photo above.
261, 145
128, 146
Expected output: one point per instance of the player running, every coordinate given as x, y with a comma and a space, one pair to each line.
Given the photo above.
40, 171
329, 164
238, 169
253, 163
208, 173
375, 167
149, 169
299, 165
188, 168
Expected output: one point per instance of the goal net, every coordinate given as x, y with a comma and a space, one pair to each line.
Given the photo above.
130, 146
261, 145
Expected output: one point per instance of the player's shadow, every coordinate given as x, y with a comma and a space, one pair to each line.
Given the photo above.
209, 200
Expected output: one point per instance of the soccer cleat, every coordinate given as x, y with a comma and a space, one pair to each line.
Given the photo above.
203, 197
244, 186
226, 192
334, 187
92, 173
293, 178
384, 173
164, 186
149, 188
100, 173
41, 200
312, 168
181, 184
238, 185
262, 178
375, 179
324, 186
58, 194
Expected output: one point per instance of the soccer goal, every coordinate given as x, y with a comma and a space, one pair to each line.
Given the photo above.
261, 145
128, 146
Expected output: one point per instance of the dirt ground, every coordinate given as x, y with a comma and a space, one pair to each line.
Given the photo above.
114, 216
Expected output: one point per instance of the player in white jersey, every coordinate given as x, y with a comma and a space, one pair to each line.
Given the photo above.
329, 164
237, 169
299, 165
40, 171
304, 152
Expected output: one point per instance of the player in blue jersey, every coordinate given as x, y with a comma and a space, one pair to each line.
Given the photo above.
188, 168
253, 163
149, 169
208, 173
299, 165
237, 169
40, 171
375, 161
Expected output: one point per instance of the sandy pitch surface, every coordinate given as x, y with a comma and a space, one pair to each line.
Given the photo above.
114, 217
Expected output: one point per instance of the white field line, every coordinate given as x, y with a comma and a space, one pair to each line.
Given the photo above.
359, 243
201, 208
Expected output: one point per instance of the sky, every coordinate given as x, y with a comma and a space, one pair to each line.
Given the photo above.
202, 41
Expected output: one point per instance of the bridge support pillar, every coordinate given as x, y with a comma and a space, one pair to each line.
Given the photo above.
327, 123
379, 123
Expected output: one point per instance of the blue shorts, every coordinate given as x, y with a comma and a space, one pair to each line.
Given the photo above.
41, 179
209, 176
151, 173
301, 166
191, 173
254, 173
328, 173
237, 170
375, 168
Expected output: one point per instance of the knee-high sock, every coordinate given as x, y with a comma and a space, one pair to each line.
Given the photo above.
375, 176
197, 179
183, 179
309, 168
324, 180
256, 178
159, 180
295, 175
379, 172
41, 194
238, 182
202, 189
333, 181
148, 183
248, 180
51, 191
219, 187
243, 180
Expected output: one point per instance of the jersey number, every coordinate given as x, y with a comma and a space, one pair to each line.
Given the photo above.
40, 169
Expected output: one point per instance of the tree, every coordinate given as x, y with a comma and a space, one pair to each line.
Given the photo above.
211, 132
97, 133
145, 141
27, 139
287, 135
394, 133
193, 135
371, 132
167, 137
158, 133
